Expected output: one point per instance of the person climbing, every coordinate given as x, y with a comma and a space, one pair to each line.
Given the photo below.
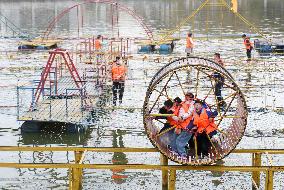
248, 46
98, 43
203, 120
189, 44
219, 82
118, 72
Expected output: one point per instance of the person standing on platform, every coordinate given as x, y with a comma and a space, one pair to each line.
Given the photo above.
189, 44
118, 72
248, 46
98, 43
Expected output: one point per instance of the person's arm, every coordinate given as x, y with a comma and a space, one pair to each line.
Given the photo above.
191, 41
211, 115
188, 113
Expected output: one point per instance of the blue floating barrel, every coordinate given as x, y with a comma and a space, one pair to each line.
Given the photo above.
145, 49
41, 48
24, 47
165, 49
265, 48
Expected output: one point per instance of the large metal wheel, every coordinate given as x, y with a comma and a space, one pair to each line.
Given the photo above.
196, 74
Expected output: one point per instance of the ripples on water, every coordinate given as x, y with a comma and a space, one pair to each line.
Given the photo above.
122, 128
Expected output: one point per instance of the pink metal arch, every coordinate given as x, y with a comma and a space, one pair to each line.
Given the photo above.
138, 18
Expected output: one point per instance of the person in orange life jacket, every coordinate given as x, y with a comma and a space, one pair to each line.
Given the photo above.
181, 134
203, 120
219, 81
248, 46
98, 43
189, 103
168, 108
189, 44
118, 72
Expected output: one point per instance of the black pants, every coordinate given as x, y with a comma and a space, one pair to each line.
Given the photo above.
218, 91
203, 143
249, 54
117, 88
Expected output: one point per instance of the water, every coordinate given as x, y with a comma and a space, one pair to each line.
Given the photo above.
122, 128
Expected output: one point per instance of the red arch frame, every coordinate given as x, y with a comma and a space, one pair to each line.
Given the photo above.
139, 19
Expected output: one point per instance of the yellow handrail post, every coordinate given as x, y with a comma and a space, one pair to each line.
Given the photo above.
165, 173
256, 161
172, 182
71, 178
269, 180
77, 172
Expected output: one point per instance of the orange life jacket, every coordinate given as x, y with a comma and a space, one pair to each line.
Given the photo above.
183, 124
247, 43
202, 122
118, 72
170, 120
188, 42
98, 44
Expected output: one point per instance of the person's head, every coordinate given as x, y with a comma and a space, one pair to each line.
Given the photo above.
217, 55
244, 36
177, 101
117, 60
189, 96
189, 34
168, 104
198, 105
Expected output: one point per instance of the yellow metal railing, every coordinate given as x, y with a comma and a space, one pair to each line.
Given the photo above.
168, 171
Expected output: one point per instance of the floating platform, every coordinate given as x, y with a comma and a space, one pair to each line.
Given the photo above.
269, 47
38, 44
165, 47
61, 95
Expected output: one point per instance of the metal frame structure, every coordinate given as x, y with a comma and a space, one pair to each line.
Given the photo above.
219, 3
228, 137
119, 6
168, 171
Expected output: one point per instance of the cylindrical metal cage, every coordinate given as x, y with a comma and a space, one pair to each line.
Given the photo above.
220, 95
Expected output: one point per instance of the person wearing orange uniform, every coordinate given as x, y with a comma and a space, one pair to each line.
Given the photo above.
98, 43
203, 120
118, 72
248, 46
189, 44
182, 133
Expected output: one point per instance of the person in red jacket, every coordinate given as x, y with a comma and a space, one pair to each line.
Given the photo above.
248, 46
118, 72
189, 44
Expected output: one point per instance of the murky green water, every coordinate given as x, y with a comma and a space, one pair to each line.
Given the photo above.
261, 82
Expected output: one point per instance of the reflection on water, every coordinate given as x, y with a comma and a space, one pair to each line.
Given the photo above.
119, 158
55, 137
120, 128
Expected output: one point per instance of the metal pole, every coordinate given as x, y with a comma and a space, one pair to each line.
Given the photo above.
77, 172
269, 180
165, 173
172, 182
256, 161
